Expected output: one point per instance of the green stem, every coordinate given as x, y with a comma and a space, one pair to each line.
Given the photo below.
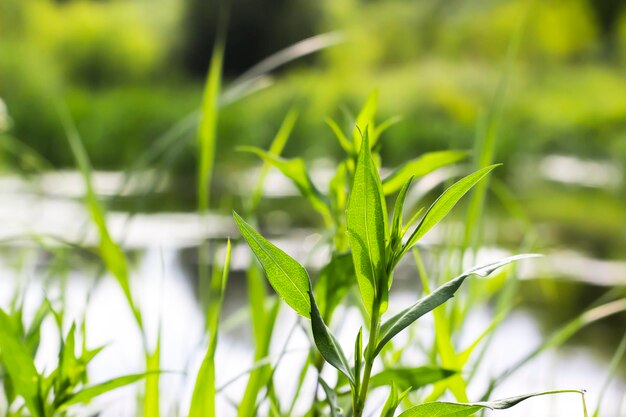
369, 360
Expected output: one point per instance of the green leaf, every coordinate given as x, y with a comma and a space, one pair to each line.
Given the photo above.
110, 252
448, 409
419, 167
393, 400
442, 206
334, 281
204, 391
413, 378
19, 365
279, 142
366, 221
365, 119
396, 233
326, 344
295, 170
405, 318
207, 129
291, 282
341, 137
288, 278
87, 394
331, 399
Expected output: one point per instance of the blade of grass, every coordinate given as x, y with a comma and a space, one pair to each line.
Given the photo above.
204, 392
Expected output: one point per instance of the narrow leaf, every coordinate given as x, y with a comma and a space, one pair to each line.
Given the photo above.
402, 320
366, 221
288, 278
331, 399
442, 206
295, 170
328, 346
87, 394
341, 137
19, 365
204, 391
419, 167
365, 119
413, 378
279, 142
448, 409
207, 129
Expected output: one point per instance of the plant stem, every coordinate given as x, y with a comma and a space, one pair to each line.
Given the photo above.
369, 360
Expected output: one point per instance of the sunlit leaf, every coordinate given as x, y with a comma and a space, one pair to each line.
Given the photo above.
19, 365
288, 278
442, 206
405, 318
295, 170
419, 167
87, 394
366, 220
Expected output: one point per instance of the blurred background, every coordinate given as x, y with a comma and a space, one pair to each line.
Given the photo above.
131, 75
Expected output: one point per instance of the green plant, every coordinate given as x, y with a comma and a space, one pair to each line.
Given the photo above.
376, 248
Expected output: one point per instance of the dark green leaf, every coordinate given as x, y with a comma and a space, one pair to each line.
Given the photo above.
328, 346
331, 399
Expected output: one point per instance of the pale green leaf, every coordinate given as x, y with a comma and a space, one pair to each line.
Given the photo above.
419, 167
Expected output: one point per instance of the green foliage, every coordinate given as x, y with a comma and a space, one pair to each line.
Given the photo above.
444, 409
375, 248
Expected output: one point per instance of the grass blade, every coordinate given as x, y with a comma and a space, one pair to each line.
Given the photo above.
110, 252
207, 129
204, 392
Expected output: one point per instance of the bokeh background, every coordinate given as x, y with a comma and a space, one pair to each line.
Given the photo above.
131, 74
